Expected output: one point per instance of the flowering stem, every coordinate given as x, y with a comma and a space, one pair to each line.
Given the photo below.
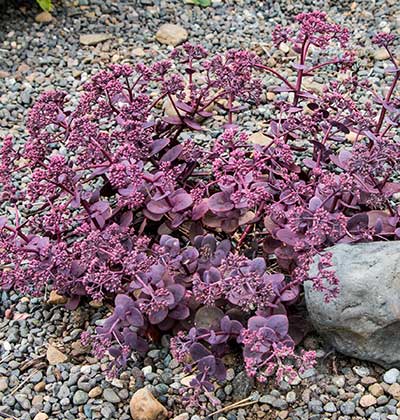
387, 99
300, 71
275, 73
309, 71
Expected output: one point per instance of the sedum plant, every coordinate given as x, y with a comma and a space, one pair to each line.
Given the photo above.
208, 240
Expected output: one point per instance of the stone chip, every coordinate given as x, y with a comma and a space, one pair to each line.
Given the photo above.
144, 406
171, 34
55, 356
93, 39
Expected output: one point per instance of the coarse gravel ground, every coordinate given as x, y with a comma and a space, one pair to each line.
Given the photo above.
35, 57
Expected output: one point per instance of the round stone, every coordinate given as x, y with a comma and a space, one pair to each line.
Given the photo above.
95, 392
80, 397
3, 384
348, 408
330, 407
367, 400
291, 397
391, 376
376, 390
110, 396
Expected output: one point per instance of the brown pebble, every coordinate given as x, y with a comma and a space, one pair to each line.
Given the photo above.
44, 17
368, 380
95, 392
367, 400
40, 386
394, 390
376, 390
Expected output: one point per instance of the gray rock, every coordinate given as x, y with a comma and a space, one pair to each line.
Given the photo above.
80, 397
63, 392
110, 396
382, 400
107, 410
291, 397
23, 401
391, 376
348, 408
364, 320
37, 377
315, 406
330, 407
242, 385
280, 403
361, 371
267, 399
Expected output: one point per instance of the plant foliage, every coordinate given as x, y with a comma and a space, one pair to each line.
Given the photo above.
45, 5
208, 240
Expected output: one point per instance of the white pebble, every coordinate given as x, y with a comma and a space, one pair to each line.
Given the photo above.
391, 376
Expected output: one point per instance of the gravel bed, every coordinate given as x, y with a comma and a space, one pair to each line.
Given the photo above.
37, 381
35, 57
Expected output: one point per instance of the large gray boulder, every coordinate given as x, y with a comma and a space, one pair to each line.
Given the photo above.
364, 321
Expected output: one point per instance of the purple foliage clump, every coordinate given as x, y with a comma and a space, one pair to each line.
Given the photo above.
208, 240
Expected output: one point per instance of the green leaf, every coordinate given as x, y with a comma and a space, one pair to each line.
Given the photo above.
202, 3
45, 5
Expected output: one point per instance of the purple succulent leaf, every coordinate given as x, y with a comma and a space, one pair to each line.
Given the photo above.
357, 221
314, 204
73, 302
180, 312
391, 188
173, 120
220, 203
257, 322
178, 291
192, 124
287, 236
220, 371
115, 352
158, 316
77, 269
340, 126
278, 323
127, 191
198, 351
142, 345
100, 207
207, 364
166, 299
258, 265
181, 200
158, 206
309, 163
229, 326
291, 294
172, 154
212, 275
183, 106
135, 318
126, 218
205, 114
215, 339
158, 145
199, 210
208, 317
